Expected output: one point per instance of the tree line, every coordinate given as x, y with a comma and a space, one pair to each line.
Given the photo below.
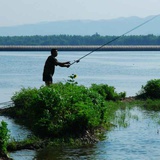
95, 39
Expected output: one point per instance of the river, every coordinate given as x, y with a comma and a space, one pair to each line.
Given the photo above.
126, 71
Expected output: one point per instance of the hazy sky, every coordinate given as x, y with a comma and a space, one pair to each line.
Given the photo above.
15, 12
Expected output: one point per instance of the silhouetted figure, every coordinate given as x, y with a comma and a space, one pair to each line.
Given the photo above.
49, 67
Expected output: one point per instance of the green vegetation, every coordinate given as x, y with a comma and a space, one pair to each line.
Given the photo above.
152, 104
64, 110
151, 94
108, 92
95, 39
4, 137
69, 113
151, 90
28, 143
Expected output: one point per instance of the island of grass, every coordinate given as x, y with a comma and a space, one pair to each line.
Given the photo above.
69, 113
65, 111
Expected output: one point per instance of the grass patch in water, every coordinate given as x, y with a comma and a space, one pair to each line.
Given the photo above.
68, 113
124, 115
152, 105
65, 110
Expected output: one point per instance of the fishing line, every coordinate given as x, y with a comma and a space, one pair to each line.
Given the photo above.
78, 60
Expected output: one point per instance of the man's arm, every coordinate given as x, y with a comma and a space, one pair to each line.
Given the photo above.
63, 64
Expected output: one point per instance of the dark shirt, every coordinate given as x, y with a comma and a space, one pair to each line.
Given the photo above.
49, 66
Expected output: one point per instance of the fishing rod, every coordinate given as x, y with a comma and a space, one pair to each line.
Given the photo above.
98, 48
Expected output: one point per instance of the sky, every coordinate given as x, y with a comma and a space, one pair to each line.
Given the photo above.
19, 12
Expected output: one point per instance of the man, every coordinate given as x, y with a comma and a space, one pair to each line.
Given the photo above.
49, 67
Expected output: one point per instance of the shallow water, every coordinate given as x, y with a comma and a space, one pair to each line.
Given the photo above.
16, 131
126, 71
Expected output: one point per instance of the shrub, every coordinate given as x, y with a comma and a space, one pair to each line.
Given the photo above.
62, 109
108, 92
4, 137
150, 90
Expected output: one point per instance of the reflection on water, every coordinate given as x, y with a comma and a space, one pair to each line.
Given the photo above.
23, 155
85, 152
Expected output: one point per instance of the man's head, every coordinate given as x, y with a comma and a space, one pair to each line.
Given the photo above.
54, 52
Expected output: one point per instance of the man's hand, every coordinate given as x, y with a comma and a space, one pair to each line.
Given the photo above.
68, 65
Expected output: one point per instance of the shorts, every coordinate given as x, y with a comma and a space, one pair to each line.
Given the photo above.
47, 77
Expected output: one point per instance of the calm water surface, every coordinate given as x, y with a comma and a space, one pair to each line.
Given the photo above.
126, 71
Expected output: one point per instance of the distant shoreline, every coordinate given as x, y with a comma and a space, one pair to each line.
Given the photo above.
80, 47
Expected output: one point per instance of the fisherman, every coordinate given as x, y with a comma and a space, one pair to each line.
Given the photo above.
49, 67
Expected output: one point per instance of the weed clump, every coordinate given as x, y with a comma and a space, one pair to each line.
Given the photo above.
108, 92
151, 90
64, 110
151, 94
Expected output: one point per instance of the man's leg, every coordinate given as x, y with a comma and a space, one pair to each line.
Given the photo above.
48, 83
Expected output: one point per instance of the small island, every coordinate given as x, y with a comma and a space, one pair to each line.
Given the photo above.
69, 114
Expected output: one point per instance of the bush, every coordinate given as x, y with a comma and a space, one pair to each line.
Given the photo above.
150, 90
108, 92
4, 137
62, 109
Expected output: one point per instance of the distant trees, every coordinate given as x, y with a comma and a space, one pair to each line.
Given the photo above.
95, 39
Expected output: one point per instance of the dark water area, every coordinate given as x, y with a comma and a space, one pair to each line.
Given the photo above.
126, 71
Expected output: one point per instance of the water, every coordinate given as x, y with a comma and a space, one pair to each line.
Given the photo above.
126, 71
